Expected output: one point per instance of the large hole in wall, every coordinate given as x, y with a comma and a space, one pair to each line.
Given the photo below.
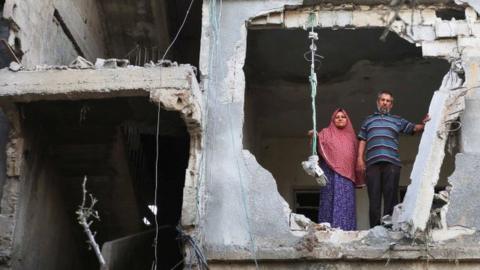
112, 142
356, 67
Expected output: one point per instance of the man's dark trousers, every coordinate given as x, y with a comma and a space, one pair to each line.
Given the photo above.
382, 178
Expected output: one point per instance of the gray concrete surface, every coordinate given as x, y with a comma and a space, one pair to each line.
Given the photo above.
242, 206
464, 203
42, 38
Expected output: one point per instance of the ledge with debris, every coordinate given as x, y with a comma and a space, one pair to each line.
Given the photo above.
82, 81
376, 244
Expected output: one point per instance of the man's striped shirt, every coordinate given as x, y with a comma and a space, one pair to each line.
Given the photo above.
381, 132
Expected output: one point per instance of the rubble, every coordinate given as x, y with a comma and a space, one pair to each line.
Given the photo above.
111, 63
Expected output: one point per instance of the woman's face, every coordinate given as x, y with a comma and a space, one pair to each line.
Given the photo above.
340, 120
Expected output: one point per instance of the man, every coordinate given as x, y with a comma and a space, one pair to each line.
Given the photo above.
381, 161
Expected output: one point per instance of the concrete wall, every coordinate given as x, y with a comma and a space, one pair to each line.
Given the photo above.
4, 128
243, 208
45, 232
356, 265
240, 199
42, 38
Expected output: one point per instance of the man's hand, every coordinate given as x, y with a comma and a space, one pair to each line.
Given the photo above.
361, 156
310, 133
360, 165
420, 127
425, 119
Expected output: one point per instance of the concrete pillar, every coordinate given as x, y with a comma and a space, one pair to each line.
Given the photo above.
470, 132
463, 208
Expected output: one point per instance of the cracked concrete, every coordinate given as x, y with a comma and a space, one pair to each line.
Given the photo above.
231, 203
172, 88
436, 37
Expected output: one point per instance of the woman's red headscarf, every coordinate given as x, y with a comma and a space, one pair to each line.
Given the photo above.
338, 147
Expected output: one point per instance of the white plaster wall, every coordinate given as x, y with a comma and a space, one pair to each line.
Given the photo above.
43, 40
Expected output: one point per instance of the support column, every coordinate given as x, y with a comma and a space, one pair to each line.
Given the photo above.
10, 190
464, 203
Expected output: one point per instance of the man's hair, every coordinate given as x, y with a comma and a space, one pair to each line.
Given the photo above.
384, 92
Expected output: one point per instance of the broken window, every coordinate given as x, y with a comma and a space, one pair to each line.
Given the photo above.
355, 67
306, 203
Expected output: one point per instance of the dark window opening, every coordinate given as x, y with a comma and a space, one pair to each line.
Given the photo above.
448, 14
307, 202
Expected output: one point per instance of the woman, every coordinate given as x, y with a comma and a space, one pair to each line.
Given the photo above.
337, 146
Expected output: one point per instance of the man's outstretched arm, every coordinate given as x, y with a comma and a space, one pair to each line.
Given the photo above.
420, 127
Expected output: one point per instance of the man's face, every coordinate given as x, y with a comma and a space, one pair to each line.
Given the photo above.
384, 103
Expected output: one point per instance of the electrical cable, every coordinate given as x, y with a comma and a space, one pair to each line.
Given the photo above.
157, 152
242, 191
179, 29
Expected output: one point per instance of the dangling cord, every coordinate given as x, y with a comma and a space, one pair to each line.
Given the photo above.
313, 78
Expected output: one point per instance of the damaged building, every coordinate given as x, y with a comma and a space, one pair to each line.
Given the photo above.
184, 124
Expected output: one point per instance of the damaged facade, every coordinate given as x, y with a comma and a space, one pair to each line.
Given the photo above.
215, 142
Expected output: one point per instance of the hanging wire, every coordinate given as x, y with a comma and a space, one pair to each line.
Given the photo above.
314, 57
215, 15
157, 151
179, 30
456, 123
205, 172
213, 48
201, 259
243, 191
157, 154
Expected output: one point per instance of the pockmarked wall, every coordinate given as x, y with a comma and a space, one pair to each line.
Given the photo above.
55, 32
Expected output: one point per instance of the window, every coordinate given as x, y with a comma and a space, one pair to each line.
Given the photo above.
306, 203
